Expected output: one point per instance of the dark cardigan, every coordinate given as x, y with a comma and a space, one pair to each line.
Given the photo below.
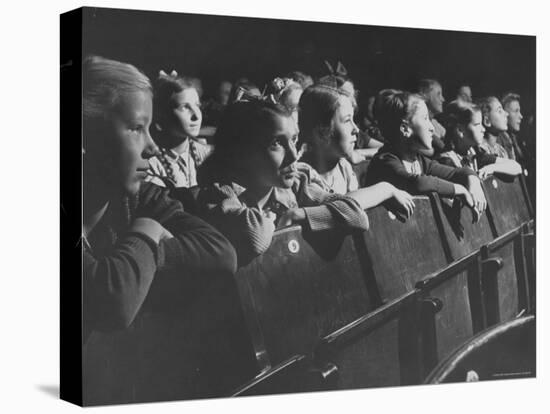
387, 166
121, 267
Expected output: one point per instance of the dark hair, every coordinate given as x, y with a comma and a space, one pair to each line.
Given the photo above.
240, 128
303, 79
281, 88
318, 104
509, 97
335, 81
457, 113
424, 86
241, 83
391, 109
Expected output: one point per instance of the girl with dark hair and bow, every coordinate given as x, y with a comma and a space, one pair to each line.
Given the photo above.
463, 122
252, 185
134, 237
177, 124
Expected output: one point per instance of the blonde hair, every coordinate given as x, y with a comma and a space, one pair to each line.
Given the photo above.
104, 81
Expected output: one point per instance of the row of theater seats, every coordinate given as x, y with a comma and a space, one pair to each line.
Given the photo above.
332, 310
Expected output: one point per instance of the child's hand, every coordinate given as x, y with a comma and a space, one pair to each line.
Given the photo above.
486, 171
480, 202
295, 179
465, 195
405, 201
292, 216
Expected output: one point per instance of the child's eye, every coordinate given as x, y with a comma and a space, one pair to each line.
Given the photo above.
137, 128
275, 143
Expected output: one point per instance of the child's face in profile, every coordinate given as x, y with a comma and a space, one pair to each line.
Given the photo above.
344, 129
473, 134
435, 99
272, 164
129, 143
187, 113
421, 127
464, 93
514, 115
496, 118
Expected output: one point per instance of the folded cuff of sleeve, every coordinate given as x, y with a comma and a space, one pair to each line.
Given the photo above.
145, 242
319, 218
340, 211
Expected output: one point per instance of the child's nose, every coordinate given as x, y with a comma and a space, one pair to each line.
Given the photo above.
196, 113
291, 154
151, 149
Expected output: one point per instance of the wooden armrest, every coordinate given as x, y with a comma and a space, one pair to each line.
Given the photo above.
491, 265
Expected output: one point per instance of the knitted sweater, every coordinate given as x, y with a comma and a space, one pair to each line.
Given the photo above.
120, 267
232, 209
387, 166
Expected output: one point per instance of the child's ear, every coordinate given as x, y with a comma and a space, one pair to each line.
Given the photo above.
486, 123
405, 129
460, 130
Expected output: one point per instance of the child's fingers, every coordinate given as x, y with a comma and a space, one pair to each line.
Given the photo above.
411, 207
476, 215
270, 215
480, 203
469, 200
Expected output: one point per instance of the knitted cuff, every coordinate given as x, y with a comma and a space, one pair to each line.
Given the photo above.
319, 218
158, 252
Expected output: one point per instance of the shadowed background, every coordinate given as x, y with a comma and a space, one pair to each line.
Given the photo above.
218, 47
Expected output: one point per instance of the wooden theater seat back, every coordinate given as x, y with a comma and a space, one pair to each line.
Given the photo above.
303, 287
400, 253
509, 207
460, 232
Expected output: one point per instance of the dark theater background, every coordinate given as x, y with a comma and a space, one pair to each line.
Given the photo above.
219, 47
